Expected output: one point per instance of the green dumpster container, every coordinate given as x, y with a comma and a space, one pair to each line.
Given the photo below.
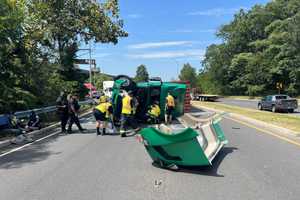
184, 146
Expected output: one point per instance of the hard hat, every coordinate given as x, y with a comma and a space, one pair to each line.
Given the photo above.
103, 99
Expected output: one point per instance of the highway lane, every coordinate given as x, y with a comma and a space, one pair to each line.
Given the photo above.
248, 104
83, 166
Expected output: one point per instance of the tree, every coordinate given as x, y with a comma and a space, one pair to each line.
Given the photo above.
67, 23
260, 48
39, 42
141, 74
188, 73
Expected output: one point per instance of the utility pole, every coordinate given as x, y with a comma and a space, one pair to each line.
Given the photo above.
91, 81
90, 63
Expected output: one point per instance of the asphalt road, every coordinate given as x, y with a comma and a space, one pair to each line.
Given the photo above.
83, 166
249, 104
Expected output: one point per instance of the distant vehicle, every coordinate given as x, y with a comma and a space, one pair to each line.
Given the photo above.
108, 88
204, 97
278, 103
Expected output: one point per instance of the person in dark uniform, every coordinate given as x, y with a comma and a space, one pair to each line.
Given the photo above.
62, 110
34, 122
73, 107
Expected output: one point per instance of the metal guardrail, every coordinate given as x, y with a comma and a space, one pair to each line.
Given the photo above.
48, 109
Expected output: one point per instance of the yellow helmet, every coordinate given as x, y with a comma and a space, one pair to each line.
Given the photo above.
103, 99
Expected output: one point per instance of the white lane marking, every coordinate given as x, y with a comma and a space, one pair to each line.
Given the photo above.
26, 145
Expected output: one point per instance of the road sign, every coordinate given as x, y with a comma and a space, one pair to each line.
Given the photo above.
85, 61
279, 85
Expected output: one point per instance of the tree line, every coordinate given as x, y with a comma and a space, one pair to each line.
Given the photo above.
39, 42
260, 48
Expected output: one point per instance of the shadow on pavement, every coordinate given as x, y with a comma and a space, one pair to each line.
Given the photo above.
29, 155
209, 170
196, 110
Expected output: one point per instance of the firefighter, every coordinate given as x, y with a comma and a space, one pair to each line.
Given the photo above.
170, 107
102, 114
127, 113
154, 113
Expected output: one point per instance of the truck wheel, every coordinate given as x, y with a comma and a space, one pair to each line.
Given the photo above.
129, 83
259, 107
273, 109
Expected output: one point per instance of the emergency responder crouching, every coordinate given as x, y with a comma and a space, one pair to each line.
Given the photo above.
127, 113
154, 113
102, 114
170, 107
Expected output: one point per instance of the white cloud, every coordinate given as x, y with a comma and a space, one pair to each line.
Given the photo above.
194, 31
217, 11
194, 53
134, 16
159, 44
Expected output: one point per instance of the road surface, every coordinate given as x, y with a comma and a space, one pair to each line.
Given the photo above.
83, 166
249, 104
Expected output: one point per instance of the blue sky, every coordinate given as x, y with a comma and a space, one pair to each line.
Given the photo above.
165, 34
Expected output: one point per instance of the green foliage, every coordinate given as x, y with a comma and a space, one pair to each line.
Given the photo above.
39, 42
188, 73
142, 74
260, 48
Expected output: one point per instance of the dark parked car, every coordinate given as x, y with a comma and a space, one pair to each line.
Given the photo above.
278, 103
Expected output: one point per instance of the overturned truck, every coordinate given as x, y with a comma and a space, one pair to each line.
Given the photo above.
193, 143
146, 94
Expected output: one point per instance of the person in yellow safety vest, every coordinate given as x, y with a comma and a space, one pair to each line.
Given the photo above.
102, 113
127, 113
154, 112
170, 107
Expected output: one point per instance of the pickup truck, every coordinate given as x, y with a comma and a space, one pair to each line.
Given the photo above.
278, 103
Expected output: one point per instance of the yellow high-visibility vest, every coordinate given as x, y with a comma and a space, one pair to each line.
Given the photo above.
170, 101
104, 108
155, 110
126, 105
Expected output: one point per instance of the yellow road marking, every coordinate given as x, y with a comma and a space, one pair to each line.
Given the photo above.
265, 131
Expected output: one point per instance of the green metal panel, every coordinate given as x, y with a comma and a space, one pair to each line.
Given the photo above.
180, 149
155, 137
218, 130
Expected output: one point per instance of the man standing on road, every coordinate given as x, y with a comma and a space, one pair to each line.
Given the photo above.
102, 114
73, 107
170, 107
62, 110
127, 113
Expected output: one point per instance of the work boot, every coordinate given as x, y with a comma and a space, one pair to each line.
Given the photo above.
122, 133
103, 131
98, 131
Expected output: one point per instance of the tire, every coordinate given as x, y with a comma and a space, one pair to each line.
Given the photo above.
129, 84
259, 107
274, 109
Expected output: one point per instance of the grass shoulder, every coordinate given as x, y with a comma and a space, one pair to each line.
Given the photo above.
279, 119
